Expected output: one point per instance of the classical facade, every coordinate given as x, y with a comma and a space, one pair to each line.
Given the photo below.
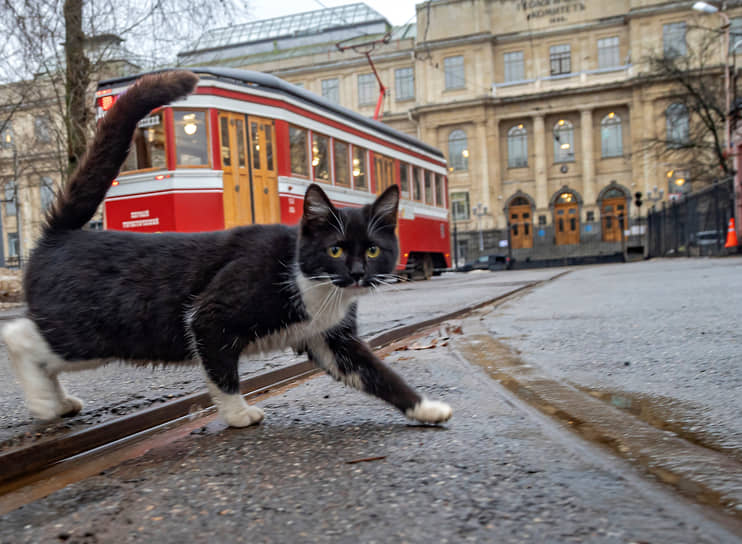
545, 108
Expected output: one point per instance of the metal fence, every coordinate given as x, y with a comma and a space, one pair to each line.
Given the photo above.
695, 225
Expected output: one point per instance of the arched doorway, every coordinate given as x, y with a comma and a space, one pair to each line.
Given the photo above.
520, 219
566, 219
613, 211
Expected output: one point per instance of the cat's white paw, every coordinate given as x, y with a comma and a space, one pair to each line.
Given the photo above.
48, 407
430, 411
243, 417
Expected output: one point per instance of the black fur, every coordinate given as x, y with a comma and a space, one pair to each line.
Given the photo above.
205, 297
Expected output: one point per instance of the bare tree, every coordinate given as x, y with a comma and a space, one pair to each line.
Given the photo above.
55, 52
692, 135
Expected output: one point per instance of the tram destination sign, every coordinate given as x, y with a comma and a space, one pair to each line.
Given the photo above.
557, 11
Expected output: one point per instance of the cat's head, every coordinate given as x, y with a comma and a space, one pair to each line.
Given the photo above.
352, 247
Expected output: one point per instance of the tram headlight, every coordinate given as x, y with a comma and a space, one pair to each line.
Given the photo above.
190, 128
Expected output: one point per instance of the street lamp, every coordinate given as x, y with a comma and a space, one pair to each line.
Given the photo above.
655, 195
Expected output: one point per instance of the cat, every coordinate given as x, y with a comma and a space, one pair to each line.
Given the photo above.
100, 296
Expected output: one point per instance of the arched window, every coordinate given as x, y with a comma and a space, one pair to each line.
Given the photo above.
564, 141
677, 124
517, 147
611, 136
458, 151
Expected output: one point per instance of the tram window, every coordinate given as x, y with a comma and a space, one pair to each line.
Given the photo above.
299, 157
404, 179
359, 168
417, 184
268, 131
321, 157
342, 163
224, 128
428, 187
191, 148
255, 145
148, 146
440, 198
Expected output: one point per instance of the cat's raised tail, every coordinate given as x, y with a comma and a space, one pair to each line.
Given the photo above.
77, 202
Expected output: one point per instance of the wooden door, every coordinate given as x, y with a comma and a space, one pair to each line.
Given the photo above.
612, 211
236, 176
264, 170
521, 227
566, 224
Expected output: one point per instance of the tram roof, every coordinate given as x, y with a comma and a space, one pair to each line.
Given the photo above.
275, 84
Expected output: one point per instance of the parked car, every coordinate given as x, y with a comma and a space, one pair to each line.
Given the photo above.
488, 262
708, 237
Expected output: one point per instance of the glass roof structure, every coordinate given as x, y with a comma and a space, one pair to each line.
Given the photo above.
299, 24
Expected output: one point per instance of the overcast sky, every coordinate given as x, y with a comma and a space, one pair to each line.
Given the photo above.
397, 12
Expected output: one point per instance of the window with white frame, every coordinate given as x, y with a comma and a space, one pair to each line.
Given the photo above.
13, 246
609, 53
453, 69
514, 68
518, 147
560, 59
9, 194
460, 206
677, 124
458, 151
42, 130
331, 90
564, 141
6, 136
611, 136
404, 83
673, 40
366, 89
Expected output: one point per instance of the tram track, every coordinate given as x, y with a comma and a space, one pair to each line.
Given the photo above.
28, 464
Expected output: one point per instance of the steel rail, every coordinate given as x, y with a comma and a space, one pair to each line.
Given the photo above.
26, 460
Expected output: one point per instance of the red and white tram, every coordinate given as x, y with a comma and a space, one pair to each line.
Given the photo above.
243, 148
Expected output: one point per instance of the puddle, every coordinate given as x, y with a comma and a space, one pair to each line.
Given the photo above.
667, 414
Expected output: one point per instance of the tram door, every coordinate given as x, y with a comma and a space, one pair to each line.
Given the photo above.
236, 177
262, 135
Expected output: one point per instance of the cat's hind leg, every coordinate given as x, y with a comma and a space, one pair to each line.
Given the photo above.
36, 368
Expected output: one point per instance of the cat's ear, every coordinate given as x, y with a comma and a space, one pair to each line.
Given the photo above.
385, 207
317, 207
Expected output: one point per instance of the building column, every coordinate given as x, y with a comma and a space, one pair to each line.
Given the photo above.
539, 153
588, 157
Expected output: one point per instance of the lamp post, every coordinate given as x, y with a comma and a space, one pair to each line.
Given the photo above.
480, 211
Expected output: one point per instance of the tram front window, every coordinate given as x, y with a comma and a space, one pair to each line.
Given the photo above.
148, 146
190, 138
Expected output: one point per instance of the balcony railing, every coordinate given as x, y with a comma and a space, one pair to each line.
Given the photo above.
563, 81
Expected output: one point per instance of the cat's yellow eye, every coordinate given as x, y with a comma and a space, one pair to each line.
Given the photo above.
335, 252
373, 252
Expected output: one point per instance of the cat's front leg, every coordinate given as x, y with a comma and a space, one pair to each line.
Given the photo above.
347, 358
220, 359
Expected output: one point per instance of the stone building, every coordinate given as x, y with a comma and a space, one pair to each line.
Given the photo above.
544, 108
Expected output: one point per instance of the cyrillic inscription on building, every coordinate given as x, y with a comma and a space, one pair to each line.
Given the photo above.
556, 10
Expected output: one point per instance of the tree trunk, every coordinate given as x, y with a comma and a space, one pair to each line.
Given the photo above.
77, 82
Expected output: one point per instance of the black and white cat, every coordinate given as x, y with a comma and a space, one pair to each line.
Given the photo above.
100, 296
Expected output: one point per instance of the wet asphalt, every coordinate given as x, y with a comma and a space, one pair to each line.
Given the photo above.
497, 472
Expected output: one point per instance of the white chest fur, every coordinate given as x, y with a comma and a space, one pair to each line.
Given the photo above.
326, 305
